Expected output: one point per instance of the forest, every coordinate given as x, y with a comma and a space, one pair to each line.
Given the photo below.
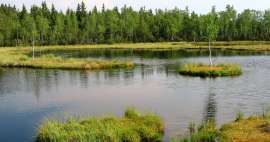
45, 25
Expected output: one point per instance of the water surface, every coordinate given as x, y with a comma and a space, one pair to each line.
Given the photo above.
29, 96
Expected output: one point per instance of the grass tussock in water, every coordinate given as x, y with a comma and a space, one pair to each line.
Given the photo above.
204, 70
133, 127
14, 58
207, 132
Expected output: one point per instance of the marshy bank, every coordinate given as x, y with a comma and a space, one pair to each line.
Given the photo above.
21, 59
66, 57
232, 45
252, 129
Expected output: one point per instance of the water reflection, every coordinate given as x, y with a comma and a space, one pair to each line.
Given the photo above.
148, 54
28, 95
211, 105
84, 79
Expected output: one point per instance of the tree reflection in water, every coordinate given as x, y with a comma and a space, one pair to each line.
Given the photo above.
211, 105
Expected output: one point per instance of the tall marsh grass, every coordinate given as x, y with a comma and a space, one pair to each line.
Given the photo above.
255, 128
207, 132
132, 127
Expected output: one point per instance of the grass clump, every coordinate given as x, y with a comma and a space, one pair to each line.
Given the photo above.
15, 58
204, 70
207, 132
132, 127
252, 129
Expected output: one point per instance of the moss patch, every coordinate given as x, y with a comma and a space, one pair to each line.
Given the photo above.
133, 127
203, 70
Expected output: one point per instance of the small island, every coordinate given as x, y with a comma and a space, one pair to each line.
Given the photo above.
132, 127
204, 70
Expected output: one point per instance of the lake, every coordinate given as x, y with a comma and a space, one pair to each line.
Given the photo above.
28, 96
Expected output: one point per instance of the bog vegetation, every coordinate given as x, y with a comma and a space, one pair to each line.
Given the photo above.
21, 58
148, 127
252, 129
133, 127
44, 25
204, 70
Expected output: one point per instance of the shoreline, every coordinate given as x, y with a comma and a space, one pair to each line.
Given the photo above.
232, 45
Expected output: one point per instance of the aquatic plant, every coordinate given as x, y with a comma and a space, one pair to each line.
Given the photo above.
132, 127
207, 132
204, 70
239, 116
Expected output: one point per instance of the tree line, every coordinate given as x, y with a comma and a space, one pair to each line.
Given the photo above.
42, 25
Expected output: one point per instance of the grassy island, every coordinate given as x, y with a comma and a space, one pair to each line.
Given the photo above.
203, 70
133, 127
20, 59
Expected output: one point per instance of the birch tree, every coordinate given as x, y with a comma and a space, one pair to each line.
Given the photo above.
211, 22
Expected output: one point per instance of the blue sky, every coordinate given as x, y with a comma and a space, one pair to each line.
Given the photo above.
200, 6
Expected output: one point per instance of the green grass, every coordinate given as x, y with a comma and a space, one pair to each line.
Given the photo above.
233, 45
207, 132
251, 129
19, 58
203, 70
132, 127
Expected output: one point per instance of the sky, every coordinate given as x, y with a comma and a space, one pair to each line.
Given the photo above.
199, 6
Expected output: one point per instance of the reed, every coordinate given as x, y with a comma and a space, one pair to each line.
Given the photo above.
207, 132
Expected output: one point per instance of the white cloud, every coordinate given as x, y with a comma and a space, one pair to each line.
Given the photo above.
201, 6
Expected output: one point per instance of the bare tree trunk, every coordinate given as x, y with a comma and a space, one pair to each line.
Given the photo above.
33, 47
210, 53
